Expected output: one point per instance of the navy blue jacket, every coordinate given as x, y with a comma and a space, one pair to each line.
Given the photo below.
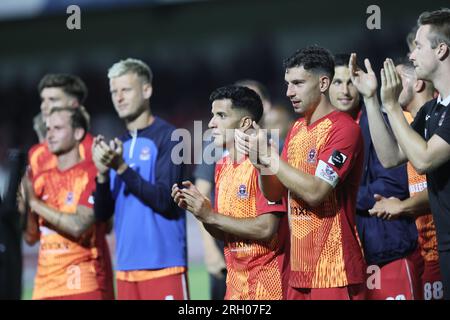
383, 241
150, 229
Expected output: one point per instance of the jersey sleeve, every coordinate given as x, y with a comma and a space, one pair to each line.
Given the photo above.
286, 142
87, 195
418, 123
38, 183
217, 171
265, 206
443, 131
86, 147
340, 152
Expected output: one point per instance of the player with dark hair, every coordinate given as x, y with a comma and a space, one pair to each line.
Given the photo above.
253, 229
320, 169
58, 89
260, 89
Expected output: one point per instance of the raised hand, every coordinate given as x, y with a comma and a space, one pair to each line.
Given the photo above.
178, 198
391, 85
99, 148
365, 82
108, 156
254, 144
116, 160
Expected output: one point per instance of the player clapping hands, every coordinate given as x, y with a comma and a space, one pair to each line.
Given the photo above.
108, 156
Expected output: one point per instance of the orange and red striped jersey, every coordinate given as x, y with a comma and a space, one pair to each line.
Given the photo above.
40, 158
425, 223
256, 270
325, 248
68, 266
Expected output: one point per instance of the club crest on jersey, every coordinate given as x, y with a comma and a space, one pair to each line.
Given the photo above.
441, 120
312, 156
242, 192
145, 154
69, 198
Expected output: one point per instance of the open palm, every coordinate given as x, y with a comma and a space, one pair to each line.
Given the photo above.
365, 82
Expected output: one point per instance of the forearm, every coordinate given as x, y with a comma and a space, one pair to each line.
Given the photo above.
303, 185
259, 228
157, 196
208, 240
384, 141
104, 202
271, 187
416, 205
71, 224
412, 144
214, 232
31, 233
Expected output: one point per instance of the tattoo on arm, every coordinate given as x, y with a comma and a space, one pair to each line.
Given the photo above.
72, 224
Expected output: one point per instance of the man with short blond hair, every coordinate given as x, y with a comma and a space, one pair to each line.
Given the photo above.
134, 182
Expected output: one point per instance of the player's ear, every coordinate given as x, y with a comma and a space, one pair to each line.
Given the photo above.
324, 83
147, 89
79, 134
443, 51
246, 123
419, 86
73, 103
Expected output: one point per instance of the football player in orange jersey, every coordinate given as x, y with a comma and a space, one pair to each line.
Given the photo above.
254, 230
320, 169
73, 256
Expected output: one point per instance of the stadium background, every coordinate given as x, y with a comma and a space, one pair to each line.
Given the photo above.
192, 47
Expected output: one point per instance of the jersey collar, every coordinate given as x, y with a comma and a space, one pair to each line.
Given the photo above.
444, 102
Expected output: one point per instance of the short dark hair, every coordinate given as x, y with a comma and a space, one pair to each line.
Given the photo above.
241, 98
341, 59
69, 83
313, 58
404, 61
439, 21
263, 91
78, 119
